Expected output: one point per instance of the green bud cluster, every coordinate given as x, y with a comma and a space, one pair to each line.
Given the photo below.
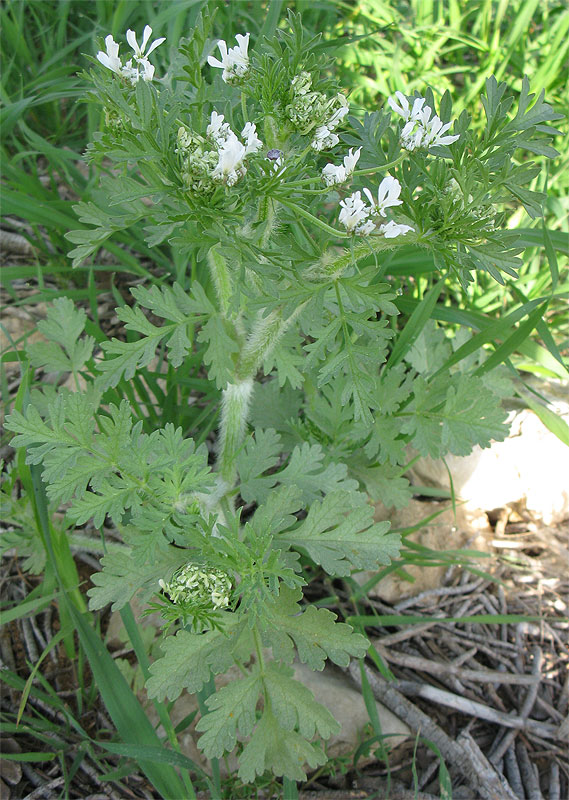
198, 161
194, 586
306, 108
113, 120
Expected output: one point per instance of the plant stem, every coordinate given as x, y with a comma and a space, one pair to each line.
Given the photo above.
234, 411
221, 279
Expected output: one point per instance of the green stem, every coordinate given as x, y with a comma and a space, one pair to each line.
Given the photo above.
221, 279
315, 221
369, 171
234, 413
236, 396
259, 650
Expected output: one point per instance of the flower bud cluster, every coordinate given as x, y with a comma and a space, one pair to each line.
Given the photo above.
422, 128
142, 67
235, 61
324, 136
358, 218
309, 108
222, 159
194, 586
306, 105
198, 161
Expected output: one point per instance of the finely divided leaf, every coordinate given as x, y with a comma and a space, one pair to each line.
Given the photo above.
294, 705
315, 633
341, 536
256, 457
230, 708
190, 658
122, 577
282, 752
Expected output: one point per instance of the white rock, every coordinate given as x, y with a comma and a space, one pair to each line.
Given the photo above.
530, 469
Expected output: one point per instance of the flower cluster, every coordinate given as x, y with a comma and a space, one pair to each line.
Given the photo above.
309, 108
142, 67
204, 165
332, 175
235, 61
422, 128
324, 136
195, 586
357, 217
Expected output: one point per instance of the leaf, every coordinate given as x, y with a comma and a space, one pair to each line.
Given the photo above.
341, 537
294, 705
122, 577
282, 752
306, 471
471, 416
65, 351
276, 513
257, 456
315, 633
385, 483
230, 708
190, 658
430, 349
219, 334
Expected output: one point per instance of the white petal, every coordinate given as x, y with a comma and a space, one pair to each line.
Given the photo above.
214, 62
104, 59
147, 33
131, 39
155, 44
243, 42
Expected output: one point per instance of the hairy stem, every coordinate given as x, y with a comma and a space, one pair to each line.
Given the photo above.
221, 279
234, 413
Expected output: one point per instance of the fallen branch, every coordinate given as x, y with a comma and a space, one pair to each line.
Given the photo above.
465, 757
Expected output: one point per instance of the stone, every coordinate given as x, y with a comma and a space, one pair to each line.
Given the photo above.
529, 471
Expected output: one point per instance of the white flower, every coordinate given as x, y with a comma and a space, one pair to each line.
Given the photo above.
235, 61
434, 133
143, 69
252, 142
404, 109
230, 166
351, 160
420, 130
218, 129
354, 215
324, 139
387, 195
339, 114
332, 175
393, 229
139, 53
110, 59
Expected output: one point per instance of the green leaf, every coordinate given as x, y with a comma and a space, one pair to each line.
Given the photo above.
282, 752
218, 332
257, 456
190, 659
63, 328
385, 483
122, 577
231, 708
471, 417
294, 705
341, 537
305, 470
315, 633
454, 418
